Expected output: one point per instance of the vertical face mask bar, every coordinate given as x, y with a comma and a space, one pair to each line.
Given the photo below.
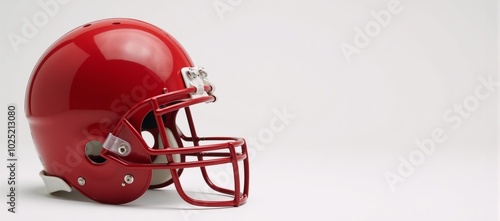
160, 124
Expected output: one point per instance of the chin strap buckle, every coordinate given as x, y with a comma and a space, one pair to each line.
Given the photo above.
197, 77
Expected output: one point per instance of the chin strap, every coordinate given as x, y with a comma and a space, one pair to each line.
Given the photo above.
54, 184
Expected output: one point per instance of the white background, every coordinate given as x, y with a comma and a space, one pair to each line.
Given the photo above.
353, 121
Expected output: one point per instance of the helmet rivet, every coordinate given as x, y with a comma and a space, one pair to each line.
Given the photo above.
81, 181
122, 149
128, 179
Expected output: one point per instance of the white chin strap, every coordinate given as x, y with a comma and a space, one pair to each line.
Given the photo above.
162, 176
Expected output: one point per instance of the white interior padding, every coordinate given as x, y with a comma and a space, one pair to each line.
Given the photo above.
162, 176
54, 184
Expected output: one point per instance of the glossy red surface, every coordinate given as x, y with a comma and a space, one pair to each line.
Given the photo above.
105, 77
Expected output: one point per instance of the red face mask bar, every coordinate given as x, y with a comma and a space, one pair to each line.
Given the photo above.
121, 143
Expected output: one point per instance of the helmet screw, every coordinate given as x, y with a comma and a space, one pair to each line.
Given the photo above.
191, 74
128, 179
122, 149
81, 181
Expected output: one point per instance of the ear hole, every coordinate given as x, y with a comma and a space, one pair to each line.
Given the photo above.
93, 152
149, 138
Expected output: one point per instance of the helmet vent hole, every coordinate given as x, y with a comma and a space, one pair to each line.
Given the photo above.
93, 152
148, 138
87, 25
116, 23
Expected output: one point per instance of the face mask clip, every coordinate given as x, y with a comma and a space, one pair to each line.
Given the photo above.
197, 77
117, 145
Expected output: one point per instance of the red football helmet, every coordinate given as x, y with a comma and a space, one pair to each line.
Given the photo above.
94, 93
